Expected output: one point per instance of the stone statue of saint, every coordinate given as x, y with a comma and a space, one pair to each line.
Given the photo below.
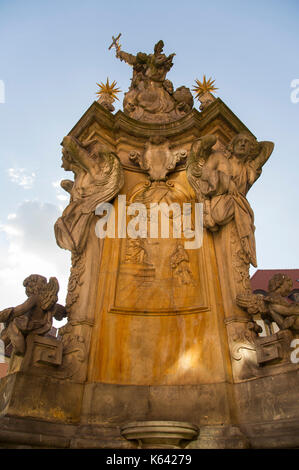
151, 97
153, 66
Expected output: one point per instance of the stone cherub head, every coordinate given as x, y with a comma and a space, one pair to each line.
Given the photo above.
34, 284
280, 284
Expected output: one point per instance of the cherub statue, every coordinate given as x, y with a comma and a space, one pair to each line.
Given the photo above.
274, 306
98, 178
35, 315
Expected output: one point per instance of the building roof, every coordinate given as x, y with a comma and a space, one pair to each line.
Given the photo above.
261, 278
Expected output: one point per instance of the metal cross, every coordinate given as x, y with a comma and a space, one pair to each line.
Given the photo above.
115, 42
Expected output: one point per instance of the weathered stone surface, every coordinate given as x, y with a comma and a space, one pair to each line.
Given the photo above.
41, 397
32, 433
268, 411
220, 437
105, 404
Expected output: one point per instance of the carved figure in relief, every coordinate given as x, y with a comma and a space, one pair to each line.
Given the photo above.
180, 264
151, 97
222, 180
98, 178
274, 306
136, 251
35, 315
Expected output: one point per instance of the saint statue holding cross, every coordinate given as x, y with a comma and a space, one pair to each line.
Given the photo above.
151, 97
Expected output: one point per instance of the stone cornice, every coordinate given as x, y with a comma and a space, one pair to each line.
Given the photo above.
195, 122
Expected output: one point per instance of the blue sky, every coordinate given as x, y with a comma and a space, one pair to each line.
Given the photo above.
53, 53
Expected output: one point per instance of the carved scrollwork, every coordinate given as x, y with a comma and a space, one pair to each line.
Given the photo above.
74, 355
243, 339
240, 262
77, 271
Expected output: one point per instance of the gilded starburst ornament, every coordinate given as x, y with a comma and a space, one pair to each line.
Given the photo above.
108, 89
204, 86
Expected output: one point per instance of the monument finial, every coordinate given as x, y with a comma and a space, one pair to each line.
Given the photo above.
107, 94
203, 91
204, 86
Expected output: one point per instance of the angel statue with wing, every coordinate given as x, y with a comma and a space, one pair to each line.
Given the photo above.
35, 315
98, 177
222, 180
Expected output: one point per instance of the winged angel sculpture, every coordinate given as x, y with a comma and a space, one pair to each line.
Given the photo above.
221, 180
98, 178
35, 315
273, 307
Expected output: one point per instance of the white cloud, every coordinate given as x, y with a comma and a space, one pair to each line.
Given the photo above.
29, 247
62, 197
56, 184
21, 177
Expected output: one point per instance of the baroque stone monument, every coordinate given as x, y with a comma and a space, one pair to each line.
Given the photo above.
162, 345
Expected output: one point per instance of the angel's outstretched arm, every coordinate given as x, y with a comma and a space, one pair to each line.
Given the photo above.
285, 310
266, 148
252, 303
128, 58
67, 185
25, 307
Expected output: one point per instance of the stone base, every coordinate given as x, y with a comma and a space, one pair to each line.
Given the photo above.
18, 433
40, 411
40, 397
26, 433
282, 434
220, 437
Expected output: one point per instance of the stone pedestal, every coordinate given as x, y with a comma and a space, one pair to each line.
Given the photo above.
160, 434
